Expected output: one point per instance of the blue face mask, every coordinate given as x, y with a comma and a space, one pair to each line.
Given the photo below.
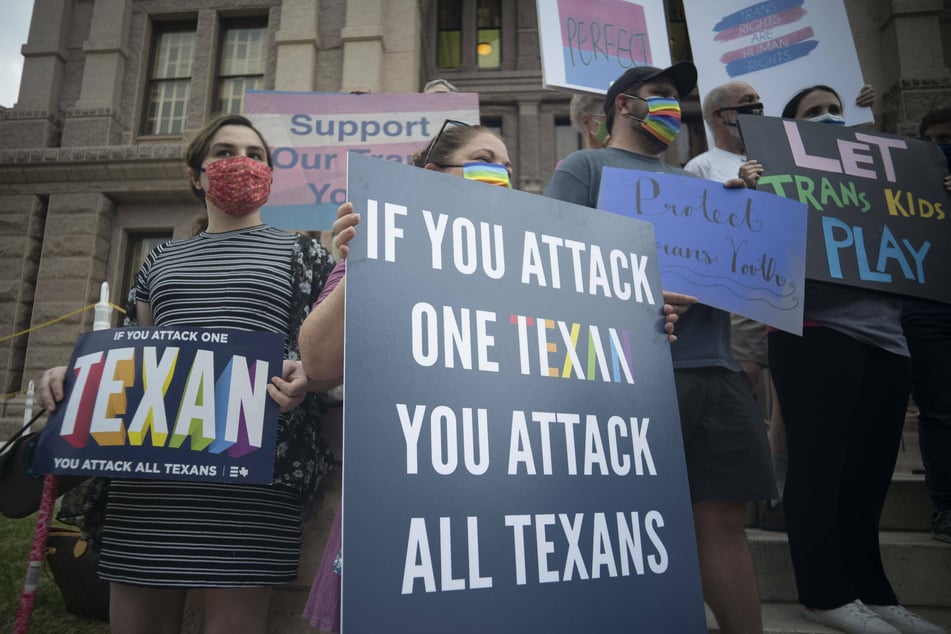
828, 117
946, 148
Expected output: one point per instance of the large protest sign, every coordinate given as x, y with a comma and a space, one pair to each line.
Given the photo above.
168, 404
735, 249
311, 133
512, 446
587, 44
778, 47
877, 204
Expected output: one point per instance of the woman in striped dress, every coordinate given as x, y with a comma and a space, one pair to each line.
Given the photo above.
233, 541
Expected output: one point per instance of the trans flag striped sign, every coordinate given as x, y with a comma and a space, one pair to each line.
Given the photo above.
778, 47
310, 133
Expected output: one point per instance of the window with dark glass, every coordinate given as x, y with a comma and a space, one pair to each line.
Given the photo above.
241, 62
170, 70
449, 34
492, 123
489, 33
677, 32
567, 138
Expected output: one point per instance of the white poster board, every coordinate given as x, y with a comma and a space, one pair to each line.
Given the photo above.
779, 47
587, 44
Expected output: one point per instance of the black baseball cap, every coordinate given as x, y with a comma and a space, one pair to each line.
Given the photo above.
682, 74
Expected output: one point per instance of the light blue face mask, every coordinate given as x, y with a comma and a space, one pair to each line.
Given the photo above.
828, 117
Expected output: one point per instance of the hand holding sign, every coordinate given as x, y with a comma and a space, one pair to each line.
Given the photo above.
877, 207
176, 403
524, 361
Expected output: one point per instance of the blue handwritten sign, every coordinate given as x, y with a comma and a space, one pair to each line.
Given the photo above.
168, 404
878, 209
514, 460
734, 249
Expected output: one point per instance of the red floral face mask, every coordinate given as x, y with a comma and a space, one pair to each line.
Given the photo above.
238, 185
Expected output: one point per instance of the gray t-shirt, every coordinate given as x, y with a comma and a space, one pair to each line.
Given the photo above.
703, 332
869, 317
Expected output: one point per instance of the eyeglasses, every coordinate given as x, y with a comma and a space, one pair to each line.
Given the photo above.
745, 108
435, 141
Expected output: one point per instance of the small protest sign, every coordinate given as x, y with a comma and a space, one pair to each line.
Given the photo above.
513, 452
877, 202
778, 47
735, 249
311, 133
168, 404
587, 44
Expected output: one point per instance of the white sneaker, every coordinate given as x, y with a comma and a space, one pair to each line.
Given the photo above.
905, 620
854, 618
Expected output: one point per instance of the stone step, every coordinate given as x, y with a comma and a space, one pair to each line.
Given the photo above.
918, 567
786, 618
908, 506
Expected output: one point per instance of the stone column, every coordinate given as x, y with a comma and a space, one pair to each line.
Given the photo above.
36, 119
297, 43
20, 246
401, 38
924, 83
899, 43
202, 92
96, 117
72, 266
363, 46
529, 177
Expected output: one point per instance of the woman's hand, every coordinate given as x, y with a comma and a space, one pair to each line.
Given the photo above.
750, 172
866, 98
675, 304
289, 389
344, 228
50, 389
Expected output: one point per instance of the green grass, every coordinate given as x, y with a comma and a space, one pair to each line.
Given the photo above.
49, 611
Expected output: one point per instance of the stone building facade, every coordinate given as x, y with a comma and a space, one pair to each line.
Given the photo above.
91, 172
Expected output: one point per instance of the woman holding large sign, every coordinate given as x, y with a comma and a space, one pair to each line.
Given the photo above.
235, 541
843, 390
472, 151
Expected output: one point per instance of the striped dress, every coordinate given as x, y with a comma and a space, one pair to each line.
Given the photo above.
203, 534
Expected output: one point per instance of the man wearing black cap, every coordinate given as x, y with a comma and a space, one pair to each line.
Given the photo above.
725, 442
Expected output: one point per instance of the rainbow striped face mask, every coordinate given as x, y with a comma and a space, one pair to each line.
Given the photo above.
491, 173
663, 118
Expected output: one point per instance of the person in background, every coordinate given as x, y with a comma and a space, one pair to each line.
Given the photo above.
235, 541
438, 85
843, 389
471, 151
725, 443
720, 109
722, 162
587, 117
721, 106
927, 327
